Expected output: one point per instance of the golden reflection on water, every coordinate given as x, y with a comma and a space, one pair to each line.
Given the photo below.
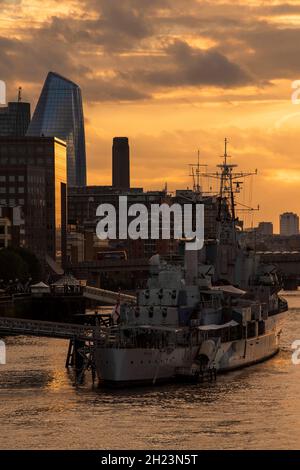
58, 380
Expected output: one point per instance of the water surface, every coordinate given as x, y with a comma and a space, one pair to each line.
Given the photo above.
254, 408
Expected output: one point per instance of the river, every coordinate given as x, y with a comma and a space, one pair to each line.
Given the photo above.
253, 408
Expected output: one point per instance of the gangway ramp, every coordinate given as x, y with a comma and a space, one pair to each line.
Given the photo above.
17, 326
107, 296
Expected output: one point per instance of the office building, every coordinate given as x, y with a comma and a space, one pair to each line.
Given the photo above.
265, 228
289, 224
120, 163
33, 177
5, 232
15, 216
83, 202
59, 113
14, 119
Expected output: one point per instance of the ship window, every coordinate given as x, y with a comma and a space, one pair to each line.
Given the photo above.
261, 328
251, 329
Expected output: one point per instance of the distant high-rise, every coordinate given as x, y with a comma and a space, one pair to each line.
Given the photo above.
59, 113
120, 163
14, 119
289, 224
265, 228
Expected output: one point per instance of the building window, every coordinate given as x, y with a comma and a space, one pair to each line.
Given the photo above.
2, 190
2, 202
21, 189
12, 203
2, 178
21, 178
12, 179
11, 190
21, 202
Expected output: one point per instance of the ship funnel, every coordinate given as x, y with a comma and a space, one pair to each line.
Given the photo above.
190, 265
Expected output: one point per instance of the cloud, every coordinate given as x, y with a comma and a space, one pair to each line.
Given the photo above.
275, 51
100, 89
187, 66
139, 48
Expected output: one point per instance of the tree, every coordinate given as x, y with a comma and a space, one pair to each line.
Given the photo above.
12, 266
33, 264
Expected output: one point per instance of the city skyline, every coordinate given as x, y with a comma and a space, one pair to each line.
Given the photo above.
173, 80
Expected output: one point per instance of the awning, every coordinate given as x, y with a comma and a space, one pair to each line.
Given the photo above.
218, 327
230, 290
40, 284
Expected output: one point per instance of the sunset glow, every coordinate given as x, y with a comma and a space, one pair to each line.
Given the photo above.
173, 76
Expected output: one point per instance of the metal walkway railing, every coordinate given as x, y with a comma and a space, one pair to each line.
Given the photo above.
16, 326
108, 296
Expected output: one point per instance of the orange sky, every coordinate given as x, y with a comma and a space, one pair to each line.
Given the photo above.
173, 76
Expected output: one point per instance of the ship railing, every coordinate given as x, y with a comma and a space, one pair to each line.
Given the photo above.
131, 343
108, 296
214, 303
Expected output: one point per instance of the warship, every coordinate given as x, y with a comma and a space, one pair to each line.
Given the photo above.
218, 311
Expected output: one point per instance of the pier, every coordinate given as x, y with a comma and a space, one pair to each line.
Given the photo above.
81, 338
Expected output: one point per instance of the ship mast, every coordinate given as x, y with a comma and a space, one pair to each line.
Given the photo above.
195, 172
226, 185
230, 184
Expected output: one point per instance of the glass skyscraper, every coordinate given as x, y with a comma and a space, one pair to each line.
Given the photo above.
59, 113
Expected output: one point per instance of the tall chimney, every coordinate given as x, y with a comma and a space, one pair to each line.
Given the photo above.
120, 163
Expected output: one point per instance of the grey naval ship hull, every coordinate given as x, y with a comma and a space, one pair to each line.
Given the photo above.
120, 367
125, 366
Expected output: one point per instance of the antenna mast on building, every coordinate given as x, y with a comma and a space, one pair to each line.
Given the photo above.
20, 94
